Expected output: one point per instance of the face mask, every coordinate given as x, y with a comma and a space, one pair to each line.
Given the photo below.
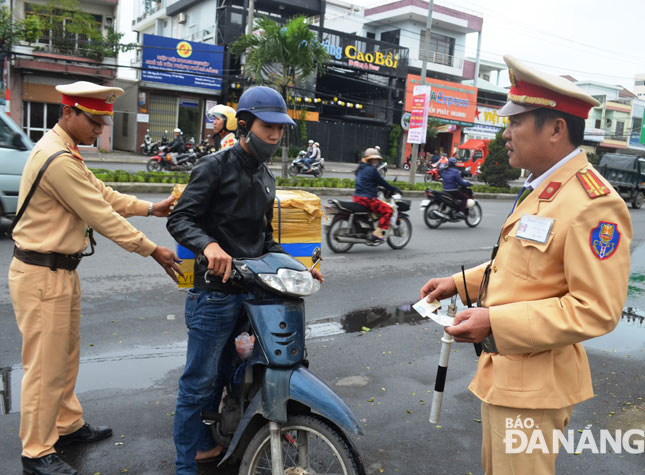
263, 151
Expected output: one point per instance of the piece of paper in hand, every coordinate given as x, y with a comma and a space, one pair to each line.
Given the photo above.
425, 309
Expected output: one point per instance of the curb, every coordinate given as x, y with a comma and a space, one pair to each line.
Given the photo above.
133, 188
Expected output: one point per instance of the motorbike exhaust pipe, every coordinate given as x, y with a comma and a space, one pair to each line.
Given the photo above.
439, 214
350, 240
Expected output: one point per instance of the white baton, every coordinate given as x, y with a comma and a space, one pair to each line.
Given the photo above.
442, 369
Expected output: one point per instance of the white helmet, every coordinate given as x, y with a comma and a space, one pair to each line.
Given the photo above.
310, 142
177, 130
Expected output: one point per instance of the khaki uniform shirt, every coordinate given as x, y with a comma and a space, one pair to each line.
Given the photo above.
546, 298
68, 199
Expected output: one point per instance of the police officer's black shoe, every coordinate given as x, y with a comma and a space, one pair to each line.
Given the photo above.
50, 464
85, 434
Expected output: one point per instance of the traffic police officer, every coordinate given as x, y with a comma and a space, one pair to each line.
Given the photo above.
67, 204
557, 277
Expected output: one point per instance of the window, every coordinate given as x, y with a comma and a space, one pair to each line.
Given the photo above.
598, 124
392, 36
441, 50
371, 35
38, 118
620, 129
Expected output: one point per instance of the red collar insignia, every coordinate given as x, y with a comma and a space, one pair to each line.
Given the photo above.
550, 190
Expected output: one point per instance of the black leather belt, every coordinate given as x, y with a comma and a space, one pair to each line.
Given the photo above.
53, 260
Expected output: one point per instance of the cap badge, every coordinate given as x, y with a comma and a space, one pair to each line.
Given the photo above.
110, 99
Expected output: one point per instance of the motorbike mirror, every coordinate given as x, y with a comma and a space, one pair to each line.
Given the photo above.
316, 257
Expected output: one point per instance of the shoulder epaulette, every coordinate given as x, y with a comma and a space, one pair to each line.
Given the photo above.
592, 184
75, 153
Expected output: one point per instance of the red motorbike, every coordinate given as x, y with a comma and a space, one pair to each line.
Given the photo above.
432, 173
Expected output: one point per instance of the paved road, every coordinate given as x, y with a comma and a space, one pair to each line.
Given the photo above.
133, 342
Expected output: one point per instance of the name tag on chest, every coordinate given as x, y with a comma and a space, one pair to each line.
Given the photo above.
534, 228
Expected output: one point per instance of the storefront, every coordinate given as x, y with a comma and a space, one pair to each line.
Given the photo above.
178, 79
452, 105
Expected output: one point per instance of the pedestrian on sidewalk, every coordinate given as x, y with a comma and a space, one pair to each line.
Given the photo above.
557, 276
53, 226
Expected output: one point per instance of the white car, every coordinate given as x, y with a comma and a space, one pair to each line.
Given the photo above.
15, 148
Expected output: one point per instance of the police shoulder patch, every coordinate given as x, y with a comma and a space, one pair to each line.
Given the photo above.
604, 240
592, 184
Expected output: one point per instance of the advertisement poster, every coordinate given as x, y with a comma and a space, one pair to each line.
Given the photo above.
637, 133
208, 120
419, 114
183, 63
451, 102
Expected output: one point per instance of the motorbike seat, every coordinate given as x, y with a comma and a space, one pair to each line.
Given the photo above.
351, 206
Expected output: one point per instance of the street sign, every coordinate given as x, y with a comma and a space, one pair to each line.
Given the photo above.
405, 120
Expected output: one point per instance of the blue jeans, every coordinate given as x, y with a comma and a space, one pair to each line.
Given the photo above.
211, 318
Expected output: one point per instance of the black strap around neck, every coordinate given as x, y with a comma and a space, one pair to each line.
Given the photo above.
34, 185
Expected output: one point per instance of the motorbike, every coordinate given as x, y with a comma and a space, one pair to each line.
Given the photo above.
441, 207
148, 147
298, 166
204, 148
432, 173
382, 169
352, 223
275, 416
163, 161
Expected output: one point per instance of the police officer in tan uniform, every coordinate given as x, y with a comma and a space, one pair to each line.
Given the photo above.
557, 277
50, 236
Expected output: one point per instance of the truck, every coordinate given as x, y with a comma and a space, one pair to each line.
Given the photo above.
626, 173
471, 154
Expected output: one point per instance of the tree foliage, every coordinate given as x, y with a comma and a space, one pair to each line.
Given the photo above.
496, 170
280, 56
67, 28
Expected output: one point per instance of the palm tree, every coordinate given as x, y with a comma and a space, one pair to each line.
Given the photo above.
279, 55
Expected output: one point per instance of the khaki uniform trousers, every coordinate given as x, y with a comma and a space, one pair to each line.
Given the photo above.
47, 304
496, 460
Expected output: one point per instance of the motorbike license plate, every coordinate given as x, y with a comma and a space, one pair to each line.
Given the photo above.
424, 204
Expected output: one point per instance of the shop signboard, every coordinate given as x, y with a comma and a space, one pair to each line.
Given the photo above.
181, 62
450, 102
419, 114
637, 134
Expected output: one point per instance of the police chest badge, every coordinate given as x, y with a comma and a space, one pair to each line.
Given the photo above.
604, 240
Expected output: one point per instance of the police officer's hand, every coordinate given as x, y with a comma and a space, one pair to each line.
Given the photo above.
471, 325
168, 260
219, 262
163, 208
438, 289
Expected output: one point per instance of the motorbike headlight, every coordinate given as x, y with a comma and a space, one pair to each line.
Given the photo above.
291, 282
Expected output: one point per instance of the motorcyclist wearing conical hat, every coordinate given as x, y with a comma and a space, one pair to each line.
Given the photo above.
368, 180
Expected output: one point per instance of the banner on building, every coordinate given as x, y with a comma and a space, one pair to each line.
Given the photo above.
419, 114
637, 133
181, 62
450, 102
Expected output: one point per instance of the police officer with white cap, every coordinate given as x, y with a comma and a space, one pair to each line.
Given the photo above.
557, 276
60, 204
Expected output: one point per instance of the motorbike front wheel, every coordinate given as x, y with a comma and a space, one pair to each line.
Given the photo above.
292, 170
401, 234
474, 216
309, 445
153, 165
432, 221
428, 177
335, 245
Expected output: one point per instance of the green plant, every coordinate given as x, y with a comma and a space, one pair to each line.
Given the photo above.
395, 135
496, 171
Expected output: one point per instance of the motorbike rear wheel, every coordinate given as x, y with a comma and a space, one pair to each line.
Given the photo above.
153, 165
401, 235
292, 170
433, 222
474, 216
335, 245
309, 445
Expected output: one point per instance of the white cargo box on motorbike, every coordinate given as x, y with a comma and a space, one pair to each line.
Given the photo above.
296, 226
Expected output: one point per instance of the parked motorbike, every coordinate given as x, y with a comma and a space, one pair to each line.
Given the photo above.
276, 417
352, 223
148, 147
299, 166
163, 161
441, 207
205, 147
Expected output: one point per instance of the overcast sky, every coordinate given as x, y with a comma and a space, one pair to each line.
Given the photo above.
597, 40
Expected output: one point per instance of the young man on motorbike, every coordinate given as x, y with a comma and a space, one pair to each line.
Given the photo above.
176, 146
315, 155
224, 126
452, 180
368, 180
225, 212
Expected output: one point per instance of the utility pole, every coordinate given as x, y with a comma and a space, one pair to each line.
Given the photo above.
426, 47
249, 23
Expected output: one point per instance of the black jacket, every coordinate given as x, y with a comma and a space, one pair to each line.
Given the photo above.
177, 145
228, 200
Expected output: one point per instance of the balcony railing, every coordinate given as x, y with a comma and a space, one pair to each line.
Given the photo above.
442, 58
